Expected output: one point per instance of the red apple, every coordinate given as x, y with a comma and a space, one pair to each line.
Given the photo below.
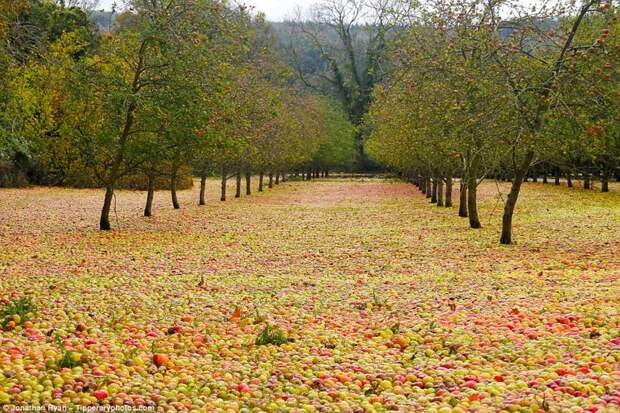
160, 359
100, 394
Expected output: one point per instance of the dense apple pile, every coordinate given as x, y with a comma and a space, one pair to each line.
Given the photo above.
330, 296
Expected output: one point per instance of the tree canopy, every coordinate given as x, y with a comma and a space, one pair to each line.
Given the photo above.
174, 85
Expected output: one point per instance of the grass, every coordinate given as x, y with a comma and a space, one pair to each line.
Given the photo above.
271, 335
19, 311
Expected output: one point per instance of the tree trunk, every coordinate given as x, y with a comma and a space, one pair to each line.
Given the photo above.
203, 190
569, 180
173, 189
150, 192
284, 177
587, 184
429, 188
605, 182
434, 191
277, 178
238, 192
248, 183
557, 177
439, 192
261, 178
545, 181
224, 178
463, 199
308, 176
270, 179
327, 173
423, 185
448, 202
513, 196
104, 221
472, 202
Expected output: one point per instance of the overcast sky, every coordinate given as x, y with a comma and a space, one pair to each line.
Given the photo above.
276, 10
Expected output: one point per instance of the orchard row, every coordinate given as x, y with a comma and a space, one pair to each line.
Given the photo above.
171, 90
504, 91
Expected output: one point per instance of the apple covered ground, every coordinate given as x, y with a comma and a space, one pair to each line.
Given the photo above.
375, 301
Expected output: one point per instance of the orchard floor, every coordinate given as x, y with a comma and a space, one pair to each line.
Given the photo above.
392, 303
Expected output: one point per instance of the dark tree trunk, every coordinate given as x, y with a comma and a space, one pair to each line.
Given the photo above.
569, 180
439, 192
557, 177
104, 221
173, 189
587, 184
545, 181
449, 192
434, 191
224, 179
327, 173
261, 178
513, 196
277, 178
463, 199
423, 185
429, 188
284, 177
472, 203
248, 183
270, 179
203, 190
605, 182
308, 176
535, 178
150, 193
238, 180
